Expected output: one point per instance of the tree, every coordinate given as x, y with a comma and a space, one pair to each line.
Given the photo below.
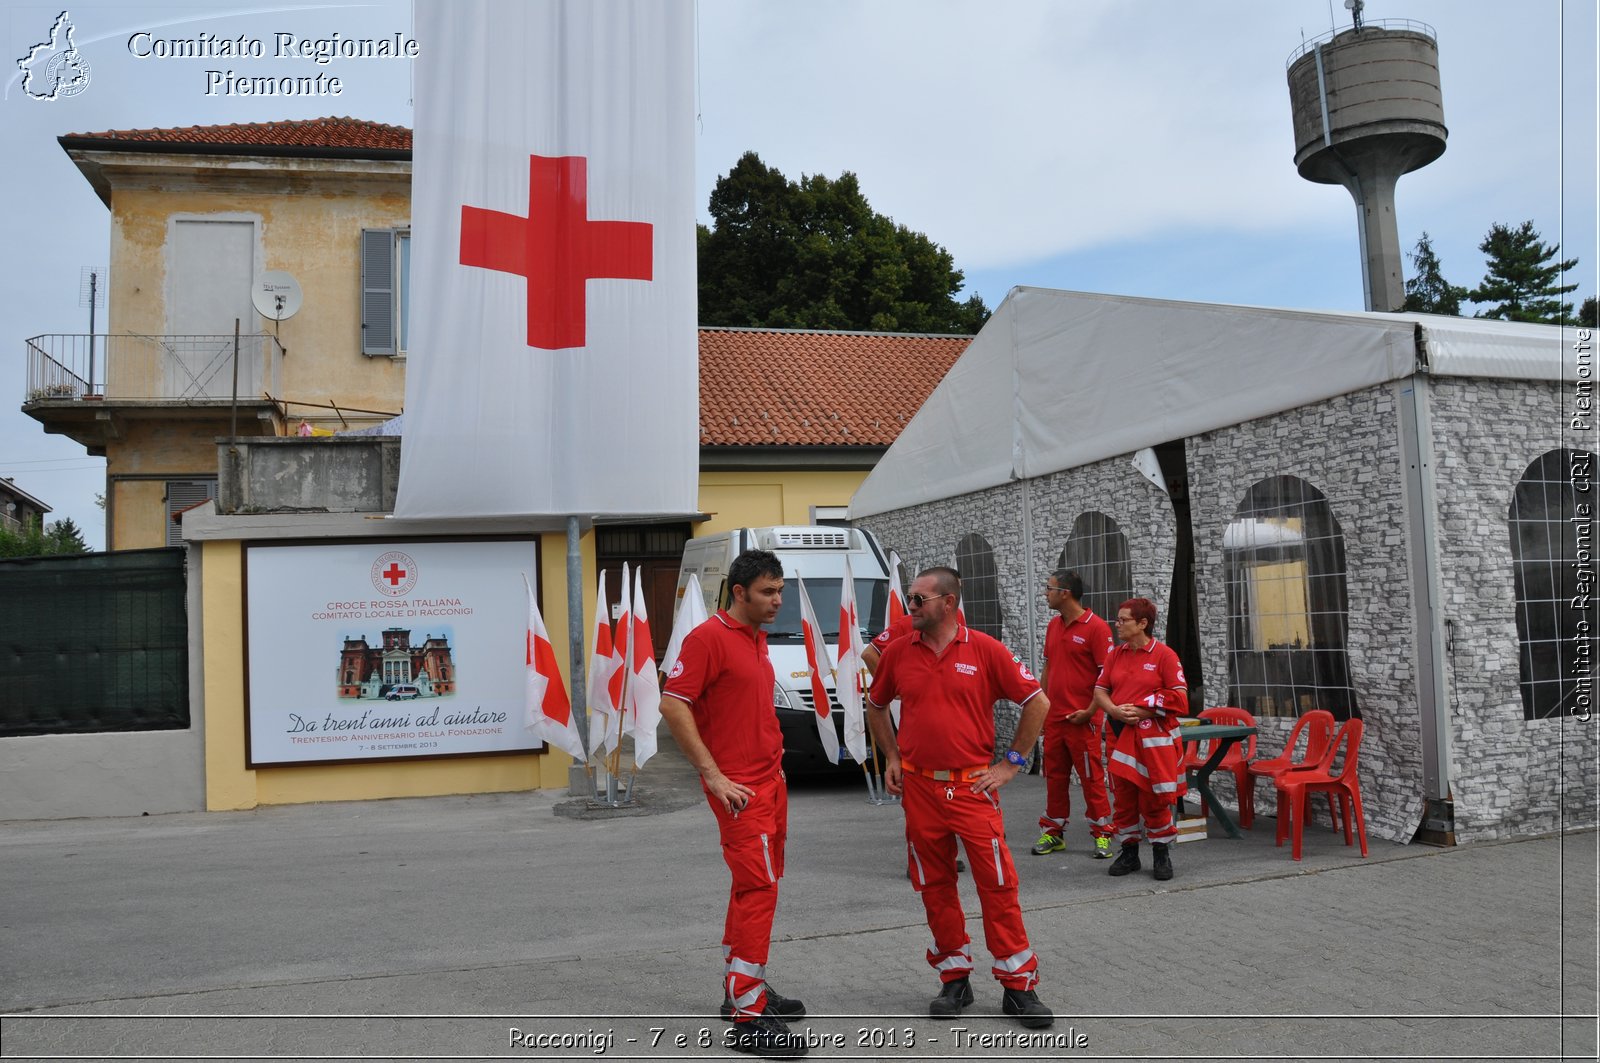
1521, 278
65, 538
61, 537
1427, 292
1589, 313
814, 254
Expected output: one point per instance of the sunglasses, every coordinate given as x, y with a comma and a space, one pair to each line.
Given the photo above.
918, 599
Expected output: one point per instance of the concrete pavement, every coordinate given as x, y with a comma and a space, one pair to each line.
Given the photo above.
493, 927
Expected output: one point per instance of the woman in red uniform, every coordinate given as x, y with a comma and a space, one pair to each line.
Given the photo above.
1143, 692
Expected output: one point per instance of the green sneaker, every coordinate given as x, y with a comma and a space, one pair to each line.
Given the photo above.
1048, 843
1102, 848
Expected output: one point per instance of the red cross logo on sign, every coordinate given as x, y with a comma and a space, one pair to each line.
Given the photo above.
556, 247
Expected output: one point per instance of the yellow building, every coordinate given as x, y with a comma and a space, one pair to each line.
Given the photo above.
205, 218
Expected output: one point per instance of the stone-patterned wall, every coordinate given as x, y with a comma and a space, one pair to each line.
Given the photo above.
1348, 448
1509, 775
926, 535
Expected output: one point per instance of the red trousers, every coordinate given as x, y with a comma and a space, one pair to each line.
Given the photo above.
752, 847
1075, 748
936, 814
1134, 803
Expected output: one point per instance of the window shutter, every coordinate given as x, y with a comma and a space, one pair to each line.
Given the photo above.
377, 292
181, 494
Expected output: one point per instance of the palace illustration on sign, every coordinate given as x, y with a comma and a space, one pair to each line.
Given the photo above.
395, 669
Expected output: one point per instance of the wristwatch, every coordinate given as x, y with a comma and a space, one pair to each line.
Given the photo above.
1013, 757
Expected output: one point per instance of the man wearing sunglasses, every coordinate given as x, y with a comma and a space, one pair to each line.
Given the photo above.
948, 678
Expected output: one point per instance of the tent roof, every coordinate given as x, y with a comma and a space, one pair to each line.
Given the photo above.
1060, 379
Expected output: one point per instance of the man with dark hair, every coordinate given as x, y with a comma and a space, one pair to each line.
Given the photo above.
1142, 686
718, 704
1075, 646
948, 678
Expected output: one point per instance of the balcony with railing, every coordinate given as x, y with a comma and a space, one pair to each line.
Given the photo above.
153, 368
76, 381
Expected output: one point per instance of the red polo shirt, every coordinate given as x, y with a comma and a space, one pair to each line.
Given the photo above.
1075, 654
1131, 676
947, 699
725, 676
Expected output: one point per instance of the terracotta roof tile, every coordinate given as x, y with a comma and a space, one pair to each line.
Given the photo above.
772, 387
345, 134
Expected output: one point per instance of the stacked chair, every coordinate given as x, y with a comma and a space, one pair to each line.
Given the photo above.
1293, 785
1317, 727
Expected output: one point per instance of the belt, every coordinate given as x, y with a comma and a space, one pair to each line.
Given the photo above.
944, 774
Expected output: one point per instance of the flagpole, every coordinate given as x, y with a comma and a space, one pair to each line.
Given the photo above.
578, 685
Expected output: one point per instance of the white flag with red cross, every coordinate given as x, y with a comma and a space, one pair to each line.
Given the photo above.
643, 710
690, 615
817, 661
547, 708
552, 268
847, 678
896, 610
621, 664
603, 711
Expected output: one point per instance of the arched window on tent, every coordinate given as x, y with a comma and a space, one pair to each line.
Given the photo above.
980, 584
1555, 587
1098, 551
1287, 603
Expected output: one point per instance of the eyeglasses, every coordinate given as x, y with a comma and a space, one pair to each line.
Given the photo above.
918, 599
1050, 588
1122, 619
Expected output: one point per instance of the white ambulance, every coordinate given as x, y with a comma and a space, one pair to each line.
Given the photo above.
818, 554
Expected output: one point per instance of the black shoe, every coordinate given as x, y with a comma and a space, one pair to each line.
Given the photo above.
1028, 1008
786, 1008
1127, 861
953, 996
1163, 868
764, 1035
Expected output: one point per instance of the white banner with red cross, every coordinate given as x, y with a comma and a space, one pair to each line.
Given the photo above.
552, 366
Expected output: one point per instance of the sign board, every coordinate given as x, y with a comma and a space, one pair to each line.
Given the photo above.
383, 650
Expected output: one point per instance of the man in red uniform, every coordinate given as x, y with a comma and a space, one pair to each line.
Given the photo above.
718, 704
1142, 688
1075, 646
948, 678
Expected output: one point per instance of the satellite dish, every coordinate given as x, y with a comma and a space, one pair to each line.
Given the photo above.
276, 295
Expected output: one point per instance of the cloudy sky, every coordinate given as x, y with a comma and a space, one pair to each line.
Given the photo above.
1142, 149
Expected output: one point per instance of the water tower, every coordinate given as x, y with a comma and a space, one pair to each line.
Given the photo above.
1367, 108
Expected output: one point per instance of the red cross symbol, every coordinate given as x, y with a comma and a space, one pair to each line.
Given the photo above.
394, 574
556, 247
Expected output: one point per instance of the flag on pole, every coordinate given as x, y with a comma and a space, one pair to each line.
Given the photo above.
602, 710
896, 610
551, 275
690, 615
644, 685
547, 708
847, 679
621, 664
897, 595
817, 661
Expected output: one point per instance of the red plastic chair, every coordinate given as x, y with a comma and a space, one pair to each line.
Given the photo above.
1293, 786
1317, 725
1237, 759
